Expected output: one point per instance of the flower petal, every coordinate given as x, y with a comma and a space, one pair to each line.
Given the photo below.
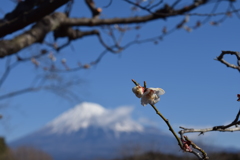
154, 100
158, 91
151, 96
144, 100
138, 91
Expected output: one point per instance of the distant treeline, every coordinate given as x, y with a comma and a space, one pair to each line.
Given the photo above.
161, 156
21, 153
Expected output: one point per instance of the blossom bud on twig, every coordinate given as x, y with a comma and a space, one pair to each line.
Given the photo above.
35, 62
52, 57
147, 95
86, 66
138, 91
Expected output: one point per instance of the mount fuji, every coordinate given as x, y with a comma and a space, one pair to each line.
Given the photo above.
90, 131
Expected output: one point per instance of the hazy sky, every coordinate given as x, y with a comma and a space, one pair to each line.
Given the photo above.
200, 91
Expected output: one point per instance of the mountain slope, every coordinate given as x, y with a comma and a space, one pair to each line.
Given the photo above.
89, 131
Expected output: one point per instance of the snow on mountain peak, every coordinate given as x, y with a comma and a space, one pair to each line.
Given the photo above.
91, 114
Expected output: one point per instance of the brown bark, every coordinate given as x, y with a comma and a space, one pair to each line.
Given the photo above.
59, 21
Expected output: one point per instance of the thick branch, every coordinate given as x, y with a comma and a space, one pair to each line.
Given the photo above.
52, 22
30, 17
36, 34
160, 14
72, 34
21, 8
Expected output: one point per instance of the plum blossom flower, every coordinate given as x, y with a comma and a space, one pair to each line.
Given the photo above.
138, 91
151, 96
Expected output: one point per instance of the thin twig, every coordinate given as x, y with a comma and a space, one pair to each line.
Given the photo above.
163, 118
222, 128
234, 123
7, 70
205, 157
220, 59
168, 124
110, 2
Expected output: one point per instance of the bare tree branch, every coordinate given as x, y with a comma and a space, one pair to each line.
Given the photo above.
59, 88
109, 4
155, 5
235, 122
8, 27
52, 22
8, 69
233, 7
19, 92
35, 35
222, 128
69, 7
202, 131
212, 14
237, 54
35, 56
95, 11
21, 8
139, 6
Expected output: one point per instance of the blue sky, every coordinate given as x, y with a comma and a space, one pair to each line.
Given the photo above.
200, 91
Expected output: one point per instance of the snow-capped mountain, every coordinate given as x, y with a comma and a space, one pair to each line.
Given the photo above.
90, 131
91, 114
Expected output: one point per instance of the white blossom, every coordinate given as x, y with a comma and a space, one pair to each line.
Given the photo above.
138, 91
151, 96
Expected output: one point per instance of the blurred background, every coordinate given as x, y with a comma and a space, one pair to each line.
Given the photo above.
68, 92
